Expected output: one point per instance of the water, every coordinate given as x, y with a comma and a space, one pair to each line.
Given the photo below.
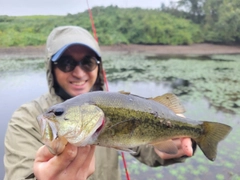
149, 78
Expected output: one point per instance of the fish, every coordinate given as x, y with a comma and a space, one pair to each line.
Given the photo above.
122, 120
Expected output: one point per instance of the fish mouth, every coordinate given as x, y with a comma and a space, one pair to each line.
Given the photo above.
97, 132
48, 129
42, 121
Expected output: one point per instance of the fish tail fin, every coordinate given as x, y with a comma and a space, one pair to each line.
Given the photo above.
213, 133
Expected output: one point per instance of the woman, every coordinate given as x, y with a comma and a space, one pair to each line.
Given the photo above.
74, 66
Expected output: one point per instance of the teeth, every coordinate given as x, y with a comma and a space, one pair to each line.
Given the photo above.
78, 83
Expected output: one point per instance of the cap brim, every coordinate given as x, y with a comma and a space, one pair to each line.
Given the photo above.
58, 54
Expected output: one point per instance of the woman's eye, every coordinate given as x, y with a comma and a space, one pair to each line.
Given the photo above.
68, 67
58, 111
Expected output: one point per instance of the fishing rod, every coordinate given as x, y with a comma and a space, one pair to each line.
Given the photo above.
92, 22
106, 83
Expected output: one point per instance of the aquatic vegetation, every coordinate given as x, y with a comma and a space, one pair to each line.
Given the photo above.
159, 175
13, 65
229, 165
220, 177
216, 79
173, 172
235, 177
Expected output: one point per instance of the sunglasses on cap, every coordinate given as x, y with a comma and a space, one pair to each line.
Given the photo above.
68, 64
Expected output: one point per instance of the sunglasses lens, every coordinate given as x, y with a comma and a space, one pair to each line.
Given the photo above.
66, 64
88, 63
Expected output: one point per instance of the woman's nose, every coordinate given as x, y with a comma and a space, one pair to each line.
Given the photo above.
78, 72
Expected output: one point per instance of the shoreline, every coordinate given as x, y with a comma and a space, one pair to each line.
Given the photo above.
157, 50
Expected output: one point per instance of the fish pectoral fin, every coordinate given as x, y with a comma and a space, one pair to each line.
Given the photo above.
171, 101
168, 147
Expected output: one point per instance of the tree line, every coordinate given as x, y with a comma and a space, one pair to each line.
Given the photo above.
183, 23
219, 20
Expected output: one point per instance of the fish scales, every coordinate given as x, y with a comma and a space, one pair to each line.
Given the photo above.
133, 127
149, 119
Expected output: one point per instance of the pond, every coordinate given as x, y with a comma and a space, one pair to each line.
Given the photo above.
209, 88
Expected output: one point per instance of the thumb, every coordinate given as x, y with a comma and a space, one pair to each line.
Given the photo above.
43, 154
187, 146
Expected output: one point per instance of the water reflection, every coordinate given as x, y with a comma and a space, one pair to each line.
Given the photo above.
22, 86
145, 89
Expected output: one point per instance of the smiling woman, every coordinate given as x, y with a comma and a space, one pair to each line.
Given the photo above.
76, 79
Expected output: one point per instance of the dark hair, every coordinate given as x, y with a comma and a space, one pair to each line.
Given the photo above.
99, 84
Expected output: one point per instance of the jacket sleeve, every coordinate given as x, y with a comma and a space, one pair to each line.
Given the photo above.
22, 140
147, 155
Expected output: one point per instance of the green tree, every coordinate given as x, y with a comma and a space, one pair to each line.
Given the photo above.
194, 8
222, 21
114, 26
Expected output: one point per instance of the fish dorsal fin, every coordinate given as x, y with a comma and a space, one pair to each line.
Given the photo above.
171, 101
124, 92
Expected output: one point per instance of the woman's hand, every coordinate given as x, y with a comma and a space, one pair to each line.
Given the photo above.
184, 146
73, 163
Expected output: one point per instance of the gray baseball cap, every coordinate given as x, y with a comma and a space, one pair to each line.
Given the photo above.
65, 36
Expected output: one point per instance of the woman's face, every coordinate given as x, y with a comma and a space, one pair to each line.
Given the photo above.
76, 81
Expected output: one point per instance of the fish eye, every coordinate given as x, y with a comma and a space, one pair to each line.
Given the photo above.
58, 111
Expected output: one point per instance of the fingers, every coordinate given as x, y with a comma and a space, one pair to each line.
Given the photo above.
85, 164
163, 155
92, 163
43, 154
178, 142
65, 158
187, 146
73, 162
184, 146
51, 164
84, 156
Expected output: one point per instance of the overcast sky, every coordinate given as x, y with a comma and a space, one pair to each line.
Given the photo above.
63, 7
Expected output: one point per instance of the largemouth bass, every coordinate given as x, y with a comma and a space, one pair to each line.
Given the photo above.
123, 121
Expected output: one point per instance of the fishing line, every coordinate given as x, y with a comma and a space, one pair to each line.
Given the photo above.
106, 82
